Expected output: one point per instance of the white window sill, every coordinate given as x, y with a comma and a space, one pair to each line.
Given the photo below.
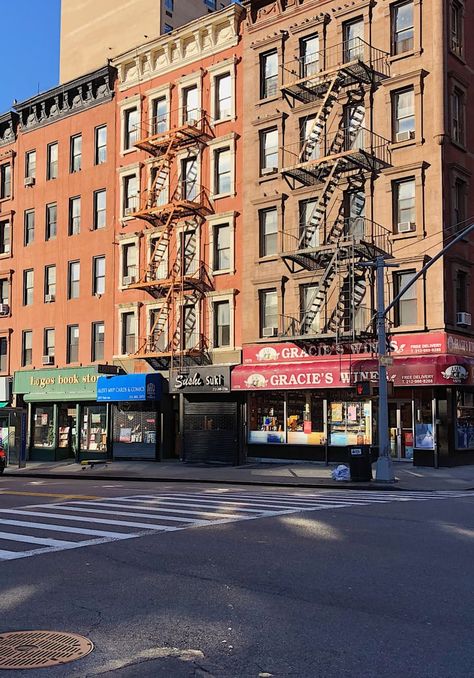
224, 271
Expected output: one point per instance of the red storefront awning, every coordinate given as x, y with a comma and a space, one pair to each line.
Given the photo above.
436, 370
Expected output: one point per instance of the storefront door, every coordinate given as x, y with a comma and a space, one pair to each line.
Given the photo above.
401, 429
67, 430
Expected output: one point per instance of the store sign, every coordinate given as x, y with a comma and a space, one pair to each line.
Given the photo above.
129, 387
437, 370
201, 380
57, 384
429, 343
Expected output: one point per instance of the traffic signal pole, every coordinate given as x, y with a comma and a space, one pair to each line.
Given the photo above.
384, 468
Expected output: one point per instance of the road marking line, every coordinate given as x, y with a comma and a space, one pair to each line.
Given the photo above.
56, 495
82, 519
10, 536
64, 528
129, 513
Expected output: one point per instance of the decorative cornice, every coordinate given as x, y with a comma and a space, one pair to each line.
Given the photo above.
8, 128
70, 98
197, 40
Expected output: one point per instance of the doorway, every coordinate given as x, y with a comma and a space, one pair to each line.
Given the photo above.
400, 421
67, 431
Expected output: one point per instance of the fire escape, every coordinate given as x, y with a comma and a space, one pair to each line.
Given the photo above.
174, 208
337, 148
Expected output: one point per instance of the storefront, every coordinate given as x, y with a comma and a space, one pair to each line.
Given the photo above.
64, 420
136, 416
209, 422
302, 402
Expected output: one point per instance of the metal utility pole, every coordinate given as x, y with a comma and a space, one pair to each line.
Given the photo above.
384, 468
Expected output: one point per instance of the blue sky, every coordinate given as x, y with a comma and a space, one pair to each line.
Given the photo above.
30, 48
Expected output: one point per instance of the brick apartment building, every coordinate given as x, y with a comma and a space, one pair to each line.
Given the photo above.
356, 146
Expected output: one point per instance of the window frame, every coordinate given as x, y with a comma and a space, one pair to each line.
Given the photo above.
49, 234
262, 215
268, 84
73, 284
25, 360
74, 219
265, 154
217, 341
48, 284
6, 181
394, 51
70, 346
98, 160
52, 166
75, 154
397, 209
95, 342
98, 289
262, 307
396, 118
399, 284
29, 219
99, 224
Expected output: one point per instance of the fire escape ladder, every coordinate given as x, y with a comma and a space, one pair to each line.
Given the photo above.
158, 256
160, 324
342, 224
161, 175
308, 234
348, 130
319, 296
320, 120
351, 296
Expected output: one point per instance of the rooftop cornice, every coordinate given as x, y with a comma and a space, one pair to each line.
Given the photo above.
190, 43
67, 99
8, 128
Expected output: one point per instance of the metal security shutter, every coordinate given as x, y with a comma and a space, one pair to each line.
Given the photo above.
210, 431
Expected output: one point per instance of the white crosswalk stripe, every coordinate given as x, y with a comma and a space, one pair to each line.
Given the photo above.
79, 523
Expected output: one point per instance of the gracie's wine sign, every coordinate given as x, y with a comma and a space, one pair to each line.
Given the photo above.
201, 380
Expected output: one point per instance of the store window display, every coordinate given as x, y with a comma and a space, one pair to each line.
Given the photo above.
350, 423
43, 426
93, 428
465, 420
305, 419
267, 418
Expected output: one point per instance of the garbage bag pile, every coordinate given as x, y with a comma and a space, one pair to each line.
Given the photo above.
341, 472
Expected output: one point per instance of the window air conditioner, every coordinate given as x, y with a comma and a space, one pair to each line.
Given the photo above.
128, 211
405, 136
269, 170
129, 280
270, 331
406, 226
4, 309
49, 298
29, 181
48, 360
463, 319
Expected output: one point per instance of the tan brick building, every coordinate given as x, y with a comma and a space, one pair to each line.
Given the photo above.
356, 146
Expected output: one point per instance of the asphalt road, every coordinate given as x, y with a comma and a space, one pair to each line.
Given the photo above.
257, 582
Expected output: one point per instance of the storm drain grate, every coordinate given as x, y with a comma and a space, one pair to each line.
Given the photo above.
37, 649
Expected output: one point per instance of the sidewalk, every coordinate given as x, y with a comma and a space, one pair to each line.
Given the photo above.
286, 475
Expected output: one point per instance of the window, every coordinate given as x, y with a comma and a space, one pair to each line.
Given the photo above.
158, 329
73, 279
191, 111
268, 313
100, 143
128, 336
30, 164
268, 74
52, 161
167, 28
98, 333
160, 115
309, 229
29, 234
212, 4
130, 128
4, 237
129, 263
169, 5
354, 210
221, 324
51, 221
223, 94
26, 348
3, 354
130, 194
74, 216
310, 148
76, 153
189, 328
309, 55
28, 286
406, 309
353, 32
72, 351
403, 114
100, 209
404, 205
268, 220
49, 342
457, 116
461, 292
49, 283
456, 27
221, 240
269, 151
4, 291
309, 309
189, 171
402, 27
98, 273
222, 171
459, 203
5, 181
187, 256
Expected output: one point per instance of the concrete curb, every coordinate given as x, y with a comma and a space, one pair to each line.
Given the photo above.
206, 481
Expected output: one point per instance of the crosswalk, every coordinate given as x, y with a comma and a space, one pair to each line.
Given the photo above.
45, 528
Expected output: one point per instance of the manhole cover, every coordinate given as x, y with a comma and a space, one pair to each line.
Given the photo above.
35, 649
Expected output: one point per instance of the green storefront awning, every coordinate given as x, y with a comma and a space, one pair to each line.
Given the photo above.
57, 385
